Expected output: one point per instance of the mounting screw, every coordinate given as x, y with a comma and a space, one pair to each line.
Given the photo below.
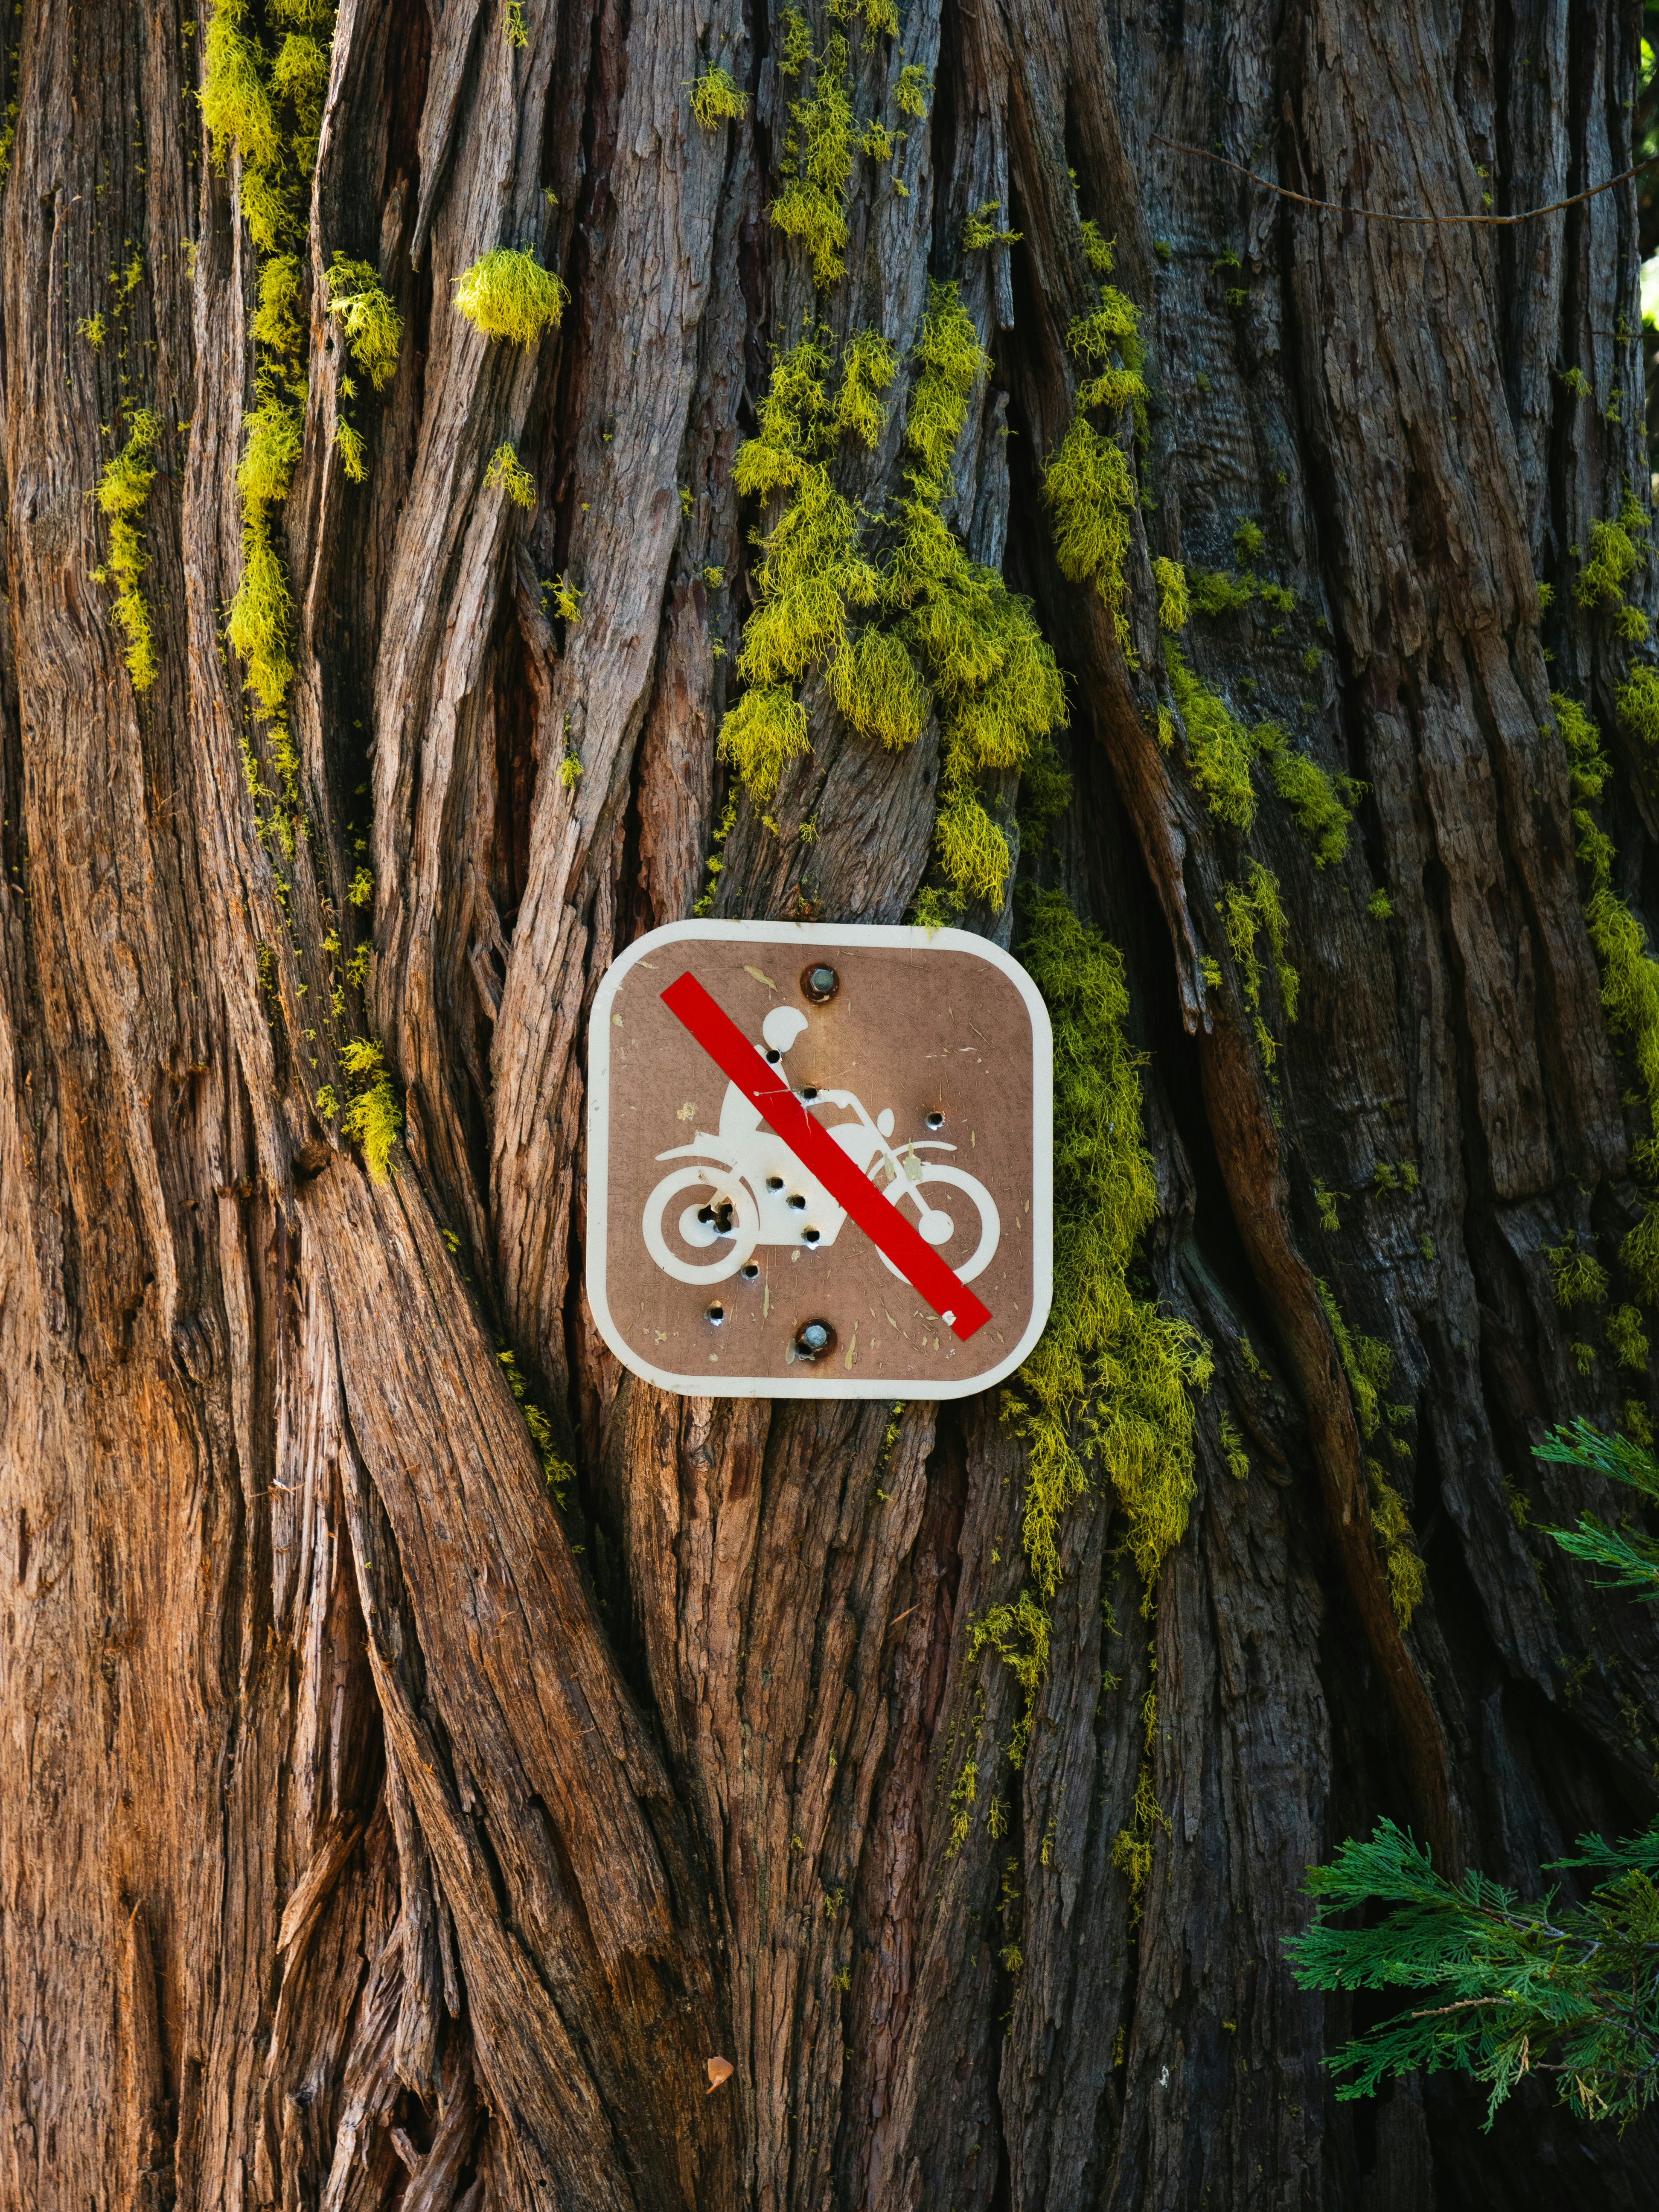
814, 1339
819, 983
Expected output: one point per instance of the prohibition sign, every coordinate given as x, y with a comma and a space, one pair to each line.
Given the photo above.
818, 1153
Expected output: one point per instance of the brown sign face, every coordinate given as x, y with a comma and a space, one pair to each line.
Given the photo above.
818, 1161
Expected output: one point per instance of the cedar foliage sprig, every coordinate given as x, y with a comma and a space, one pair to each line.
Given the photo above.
1570, 1991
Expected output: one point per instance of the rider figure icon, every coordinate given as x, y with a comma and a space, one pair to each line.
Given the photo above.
758, 1192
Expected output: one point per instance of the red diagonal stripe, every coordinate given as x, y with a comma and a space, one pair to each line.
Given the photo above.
818, 1153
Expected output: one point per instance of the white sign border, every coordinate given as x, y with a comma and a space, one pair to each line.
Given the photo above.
806, 933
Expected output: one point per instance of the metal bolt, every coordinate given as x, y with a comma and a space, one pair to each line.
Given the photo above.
819, 983
814, 1339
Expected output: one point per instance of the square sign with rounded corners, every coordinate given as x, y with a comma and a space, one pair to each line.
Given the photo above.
818, 1161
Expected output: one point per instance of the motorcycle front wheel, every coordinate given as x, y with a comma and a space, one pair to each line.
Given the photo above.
990, 1222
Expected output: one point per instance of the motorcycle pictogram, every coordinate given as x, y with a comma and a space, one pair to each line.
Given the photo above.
748, 1189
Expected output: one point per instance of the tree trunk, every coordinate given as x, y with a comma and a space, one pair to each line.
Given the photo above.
375, 1829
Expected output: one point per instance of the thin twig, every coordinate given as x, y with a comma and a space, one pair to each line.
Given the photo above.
1377, 215
1463, 2004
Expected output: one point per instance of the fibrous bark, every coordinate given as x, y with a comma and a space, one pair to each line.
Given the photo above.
376, 1828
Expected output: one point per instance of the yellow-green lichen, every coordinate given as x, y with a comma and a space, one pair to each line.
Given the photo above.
817, 167
371, 325
373, 1120
507, 473
123, 492
822, 602
1639, 706
1111, 1377
716, 98
1578, 1278
1368, 1364
1247, 909
1173, 605
507, 295
1088, 484
912, 92
981, 230
1219, 749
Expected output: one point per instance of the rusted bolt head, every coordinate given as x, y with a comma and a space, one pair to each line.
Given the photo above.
814, 1339
819, 983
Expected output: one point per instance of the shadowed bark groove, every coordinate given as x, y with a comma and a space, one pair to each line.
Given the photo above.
382, 1824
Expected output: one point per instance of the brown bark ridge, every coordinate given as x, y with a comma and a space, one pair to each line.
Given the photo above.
375, 1829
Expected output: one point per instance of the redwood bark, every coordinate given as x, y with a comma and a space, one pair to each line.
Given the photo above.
372, 1831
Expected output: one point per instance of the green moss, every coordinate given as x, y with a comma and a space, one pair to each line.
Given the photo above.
123, 493
1586, 770
1112, 1376
1219, 749
353, 453
373, 1120
1309, 792
1216, 592
299, 74
1613, 557
91, 328
716, 98
507, 473
1380, 906
822, 602
1325, 1200
1248, 542
508, 294
1367, 1363
818, 172
514, 29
